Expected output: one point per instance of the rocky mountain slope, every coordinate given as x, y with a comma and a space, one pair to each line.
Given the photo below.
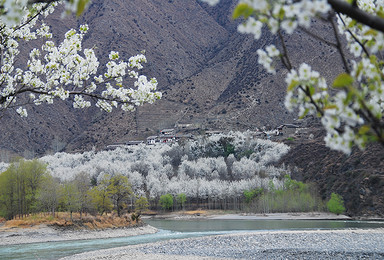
358, 178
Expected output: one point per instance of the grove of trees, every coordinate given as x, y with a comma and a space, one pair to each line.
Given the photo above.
196, 173
202, 169
26, 187
19, 188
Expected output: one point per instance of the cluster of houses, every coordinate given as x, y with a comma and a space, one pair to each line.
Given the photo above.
168, 136
165, 136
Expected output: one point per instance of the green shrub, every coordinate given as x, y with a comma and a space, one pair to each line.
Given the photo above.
336, 204
166, 201
251, 194
181, 199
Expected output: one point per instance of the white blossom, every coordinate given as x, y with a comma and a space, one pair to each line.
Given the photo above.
22, 112
252, 26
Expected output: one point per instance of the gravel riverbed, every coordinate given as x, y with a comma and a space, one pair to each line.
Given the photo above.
319, 244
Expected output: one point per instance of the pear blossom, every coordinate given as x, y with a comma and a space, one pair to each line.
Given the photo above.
272, 51
66, 70
289, 26
251, 26
22, 112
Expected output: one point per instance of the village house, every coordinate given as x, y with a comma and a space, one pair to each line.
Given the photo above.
288, 129
167, 138
153, 139
169, 131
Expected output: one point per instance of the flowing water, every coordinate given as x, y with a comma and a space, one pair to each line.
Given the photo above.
259, 225
173, 229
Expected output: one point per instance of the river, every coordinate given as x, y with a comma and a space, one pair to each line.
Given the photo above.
173, 229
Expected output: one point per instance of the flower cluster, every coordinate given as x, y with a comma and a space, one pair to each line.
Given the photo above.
276, 15
13, 12
266, 57
67, 71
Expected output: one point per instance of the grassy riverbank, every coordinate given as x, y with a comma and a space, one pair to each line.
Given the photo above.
46, 228
64, 220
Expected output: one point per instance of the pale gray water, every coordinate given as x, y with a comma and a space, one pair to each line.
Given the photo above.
172, 229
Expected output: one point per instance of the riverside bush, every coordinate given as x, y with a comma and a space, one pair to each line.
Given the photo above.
336, 204
251, 194
166, 201
181, 199
293, 196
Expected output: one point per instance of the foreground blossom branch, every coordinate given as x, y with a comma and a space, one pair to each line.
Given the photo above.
352, 112
67, 71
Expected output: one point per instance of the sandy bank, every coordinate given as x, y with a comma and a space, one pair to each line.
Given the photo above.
250, 216
284, 216
44, 233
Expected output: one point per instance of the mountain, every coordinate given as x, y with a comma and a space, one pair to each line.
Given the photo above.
208, 73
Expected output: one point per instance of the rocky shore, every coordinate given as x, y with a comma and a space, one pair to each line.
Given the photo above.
321, 244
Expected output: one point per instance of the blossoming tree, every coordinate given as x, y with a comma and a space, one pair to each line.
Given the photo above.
351, 106
64, 70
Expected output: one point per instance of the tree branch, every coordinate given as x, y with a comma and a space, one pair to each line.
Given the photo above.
284, 58
42, 1
338, 44
354, 37
317, 37
71, 93
354, 12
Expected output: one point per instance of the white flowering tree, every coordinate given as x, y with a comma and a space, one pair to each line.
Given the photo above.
152, 171
351, 105
63, 70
